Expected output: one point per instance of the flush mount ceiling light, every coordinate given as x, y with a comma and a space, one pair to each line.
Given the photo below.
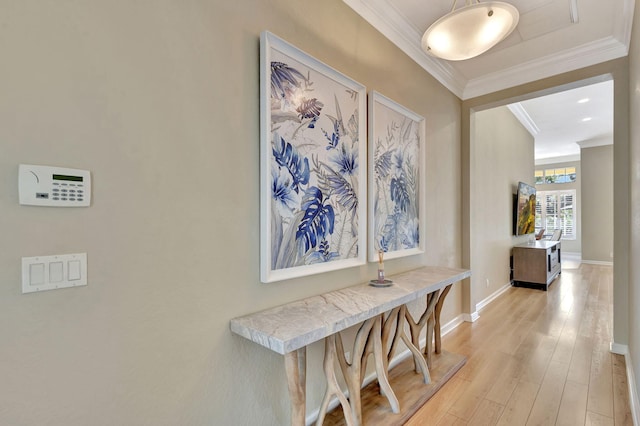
471, 30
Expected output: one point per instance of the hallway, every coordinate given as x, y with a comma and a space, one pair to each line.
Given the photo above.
538, 358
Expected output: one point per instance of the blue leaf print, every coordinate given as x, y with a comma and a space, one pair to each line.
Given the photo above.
323, 254
282, 78
334, 183
347, 161
399, 194
382, 165
287, 156
281, 192
411, 238
310, 109
334, 139
342, 189
389, 240
384, 244
317, 221
338, 127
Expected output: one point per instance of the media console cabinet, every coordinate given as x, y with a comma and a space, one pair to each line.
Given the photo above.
536, 264
382, 312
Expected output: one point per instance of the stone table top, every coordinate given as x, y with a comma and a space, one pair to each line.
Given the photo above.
294, 325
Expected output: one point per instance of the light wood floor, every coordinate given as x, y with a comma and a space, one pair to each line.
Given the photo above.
537, 358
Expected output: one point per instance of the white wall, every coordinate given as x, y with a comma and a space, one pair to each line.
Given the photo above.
159, 99
503, 155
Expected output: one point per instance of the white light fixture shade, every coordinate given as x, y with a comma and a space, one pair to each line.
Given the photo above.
470, 30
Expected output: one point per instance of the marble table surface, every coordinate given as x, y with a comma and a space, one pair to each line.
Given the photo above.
294, 325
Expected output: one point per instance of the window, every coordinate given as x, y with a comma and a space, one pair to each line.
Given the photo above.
539, 177
560, 175
556, 210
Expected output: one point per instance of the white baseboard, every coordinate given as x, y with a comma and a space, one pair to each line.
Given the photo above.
492, 297
571, 256
619, 349
597, 262
634, 402
633, 392
472, 317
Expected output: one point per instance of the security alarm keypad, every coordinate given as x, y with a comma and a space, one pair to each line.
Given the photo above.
54, 186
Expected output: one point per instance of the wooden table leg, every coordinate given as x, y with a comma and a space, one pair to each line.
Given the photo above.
416, 327
333, 388
436, 314
295, 365
380, 357
419, 362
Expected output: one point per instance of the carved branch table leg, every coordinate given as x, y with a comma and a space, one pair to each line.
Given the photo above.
381, 360
295, 365
416, 327
428, 347
437, 312
419, 361
333, 388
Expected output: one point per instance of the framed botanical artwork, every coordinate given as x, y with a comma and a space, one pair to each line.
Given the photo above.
312, 165
396, 179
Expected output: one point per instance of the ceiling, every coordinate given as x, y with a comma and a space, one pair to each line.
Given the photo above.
552, 37
564, 122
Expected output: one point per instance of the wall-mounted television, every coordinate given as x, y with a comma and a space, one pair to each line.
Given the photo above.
525, 209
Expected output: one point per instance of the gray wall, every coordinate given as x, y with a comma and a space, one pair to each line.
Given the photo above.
503, 152
634, 224
597, 203
568, 246
159, 99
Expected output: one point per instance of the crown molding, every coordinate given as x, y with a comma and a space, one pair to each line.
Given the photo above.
556, 160
586, 55
623, 23
524, 118
592, 143
395, 27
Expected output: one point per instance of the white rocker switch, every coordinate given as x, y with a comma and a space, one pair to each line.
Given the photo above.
74, 270
56, 274
36, 274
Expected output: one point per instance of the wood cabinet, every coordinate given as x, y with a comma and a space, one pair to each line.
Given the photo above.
536, 263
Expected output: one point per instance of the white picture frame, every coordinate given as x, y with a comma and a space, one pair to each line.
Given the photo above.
397, 163
313, 197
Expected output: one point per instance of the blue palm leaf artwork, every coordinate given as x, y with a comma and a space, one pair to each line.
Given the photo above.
396, 177
311, 167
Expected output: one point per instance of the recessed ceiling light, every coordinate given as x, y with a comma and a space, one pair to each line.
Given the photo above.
587, 119
583, 101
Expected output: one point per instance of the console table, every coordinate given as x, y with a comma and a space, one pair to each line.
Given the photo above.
288, 329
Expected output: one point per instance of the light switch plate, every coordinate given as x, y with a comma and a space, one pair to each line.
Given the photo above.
42, 273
